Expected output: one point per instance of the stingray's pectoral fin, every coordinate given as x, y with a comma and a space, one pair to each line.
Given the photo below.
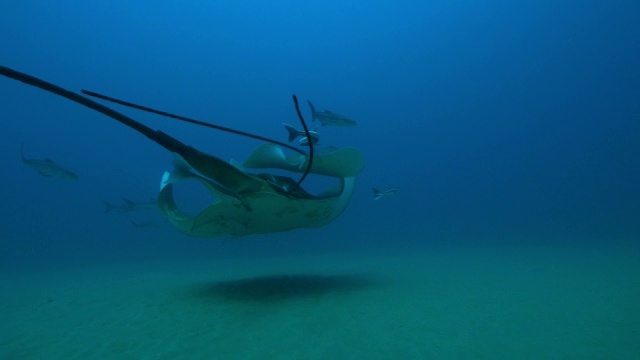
211, 221
228, 176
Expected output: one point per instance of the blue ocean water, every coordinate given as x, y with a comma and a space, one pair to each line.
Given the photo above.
500, 123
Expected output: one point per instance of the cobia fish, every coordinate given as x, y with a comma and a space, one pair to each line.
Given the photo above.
328, 118
48, 167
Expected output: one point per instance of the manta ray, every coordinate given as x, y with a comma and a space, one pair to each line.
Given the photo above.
246, 203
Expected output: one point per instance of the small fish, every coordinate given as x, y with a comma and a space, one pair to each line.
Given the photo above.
327, 118
48, 167
377, 194
294, 133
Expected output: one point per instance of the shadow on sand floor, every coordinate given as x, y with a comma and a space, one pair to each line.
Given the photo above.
282, 287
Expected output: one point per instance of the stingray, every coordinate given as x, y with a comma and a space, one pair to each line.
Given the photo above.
245, 203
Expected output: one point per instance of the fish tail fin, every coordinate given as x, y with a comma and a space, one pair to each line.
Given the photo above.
313, 111
293, 133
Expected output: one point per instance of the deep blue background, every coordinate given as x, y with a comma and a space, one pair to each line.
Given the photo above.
497, 120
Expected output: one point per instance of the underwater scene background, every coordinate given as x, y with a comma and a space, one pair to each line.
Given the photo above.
509, 129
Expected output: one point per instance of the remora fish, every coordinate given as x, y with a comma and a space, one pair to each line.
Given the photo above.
294, 133
327, 118
47, 167
377, 194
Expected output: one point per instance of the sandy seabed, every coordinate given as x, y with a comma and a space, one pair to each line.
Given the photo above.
483, 303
